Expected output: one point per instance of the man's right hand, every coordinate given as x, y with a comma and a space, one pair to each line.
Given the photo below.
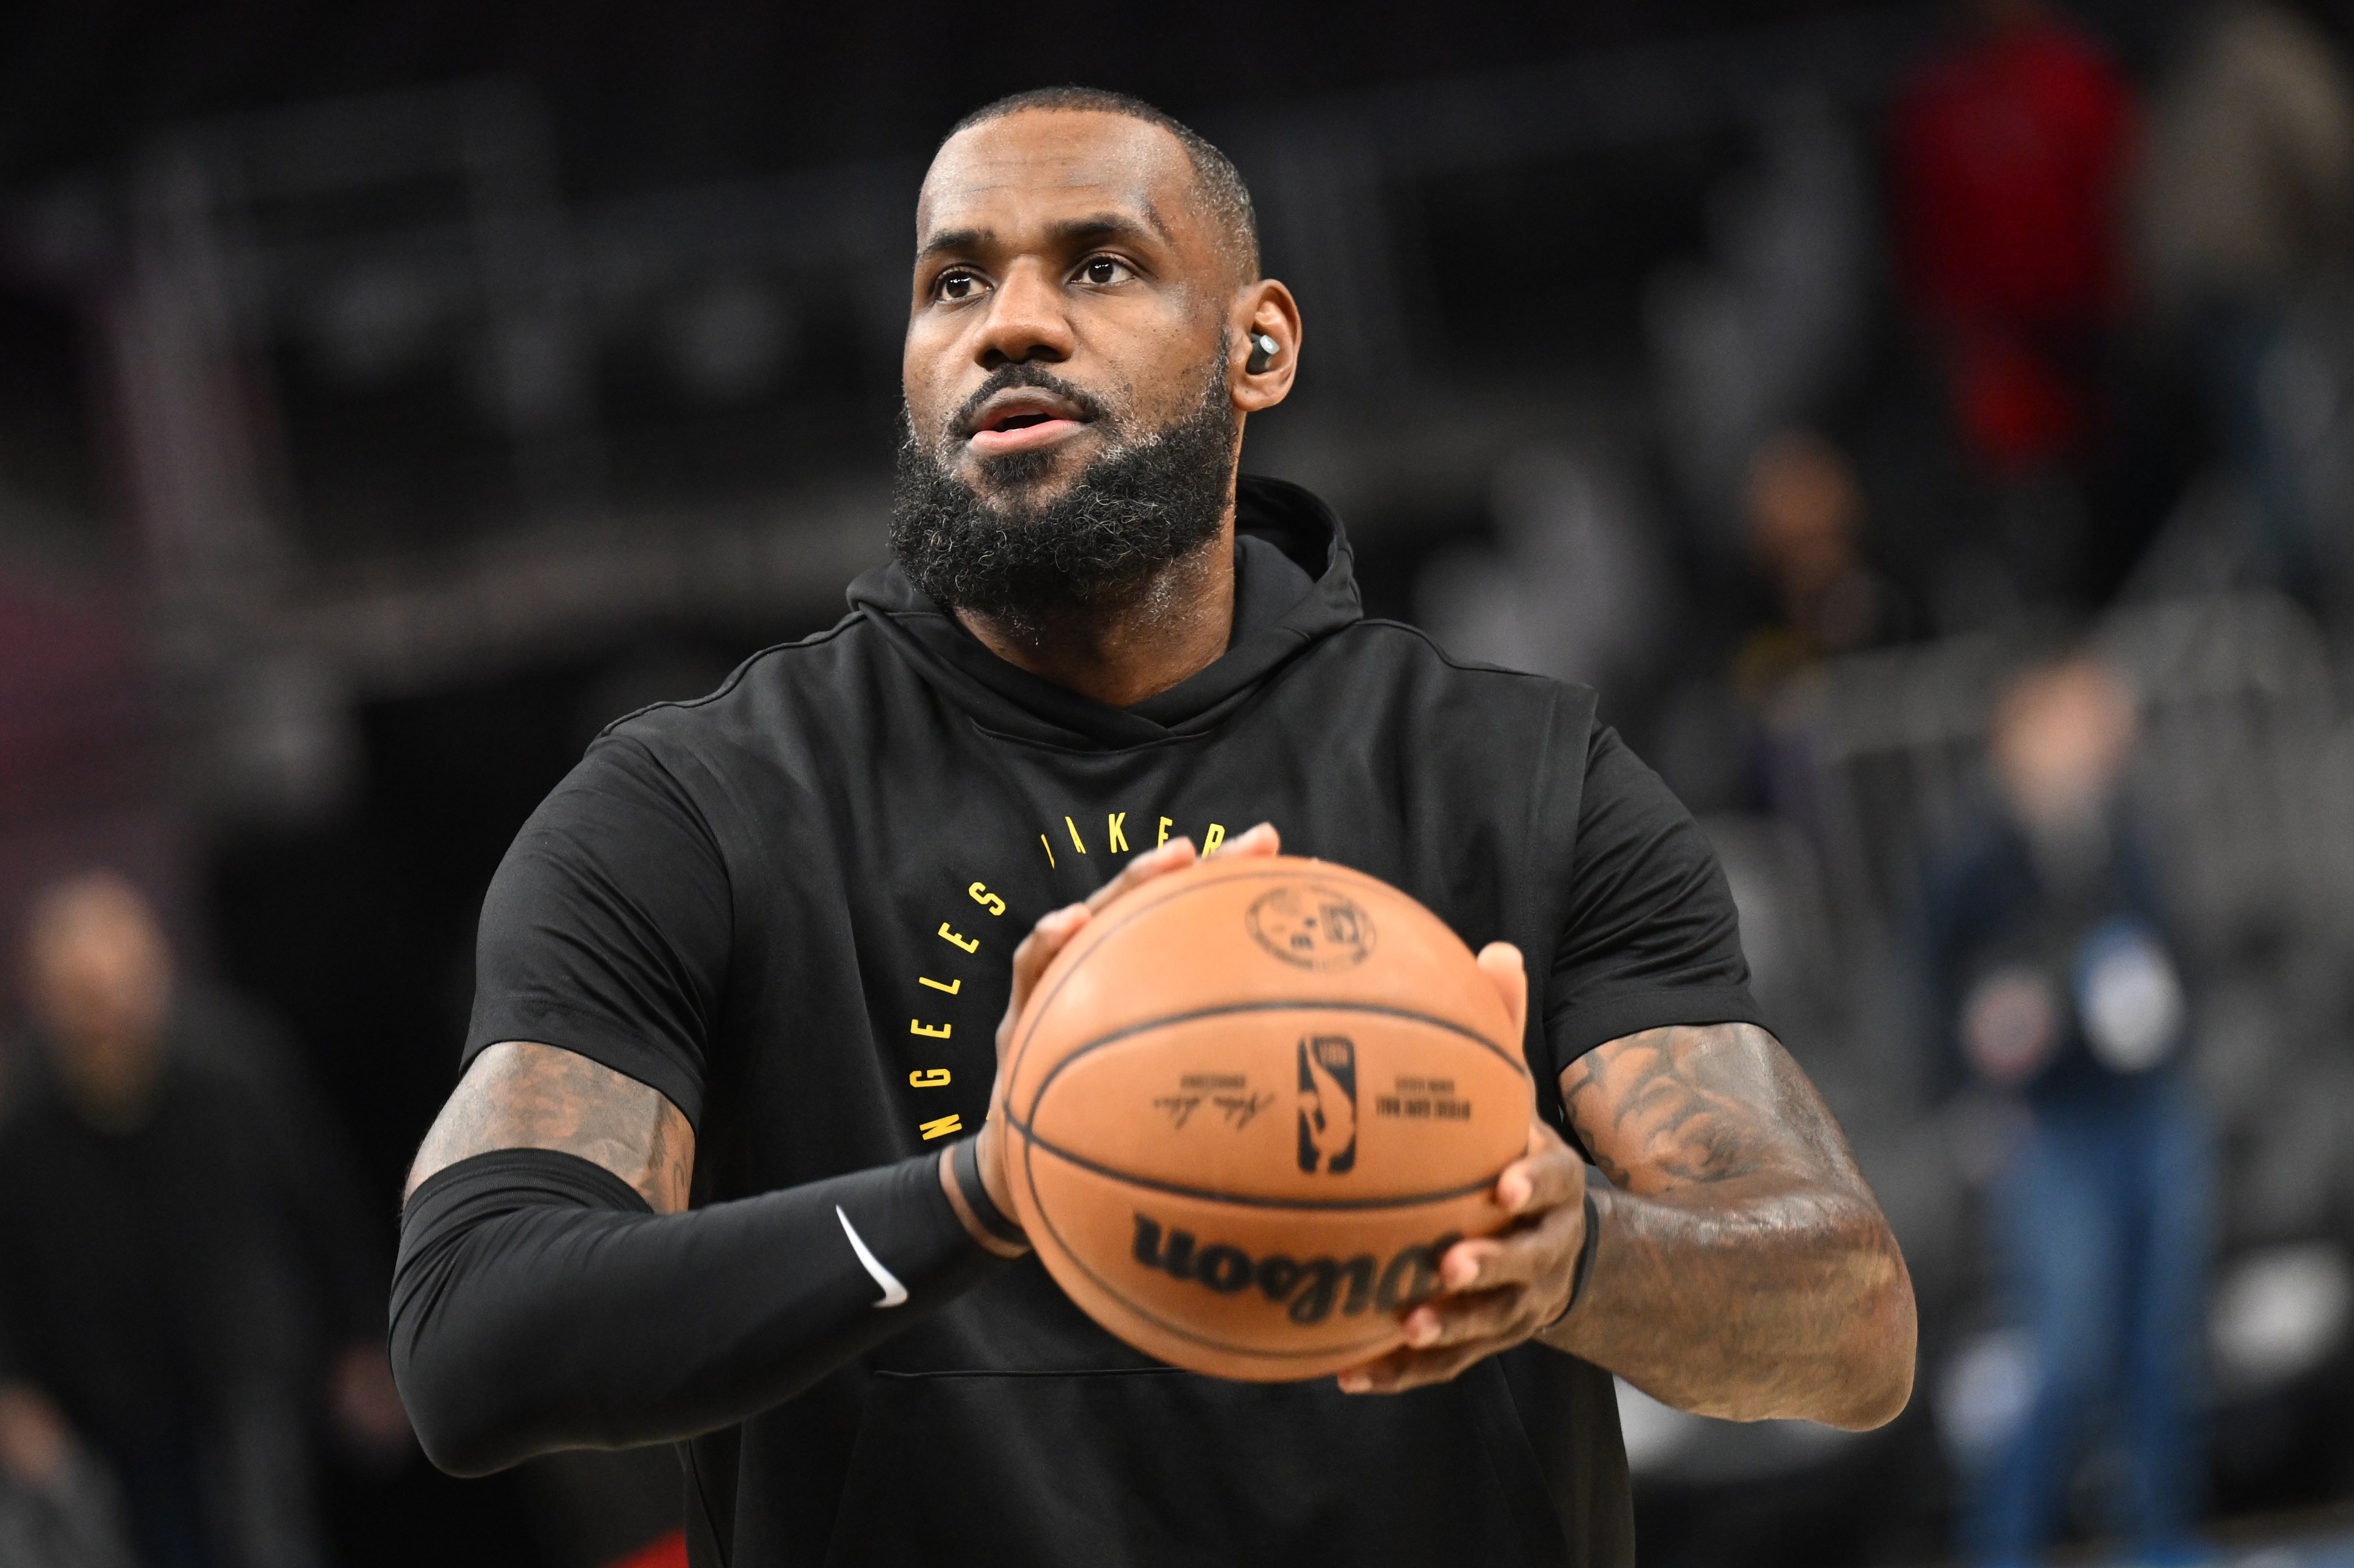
1049, 937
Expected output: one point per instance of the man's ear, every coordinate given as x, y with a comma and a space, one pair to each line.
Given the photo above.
1264, 313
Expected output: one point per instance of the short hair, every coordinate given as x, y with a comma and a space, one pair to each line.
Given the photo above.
1223, 194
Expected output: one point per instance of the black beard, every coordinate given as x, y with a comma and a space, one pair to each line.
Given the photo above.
1097, 548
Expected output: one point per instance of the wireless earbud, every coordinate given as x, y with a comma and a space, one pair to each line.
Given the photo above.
1262, 355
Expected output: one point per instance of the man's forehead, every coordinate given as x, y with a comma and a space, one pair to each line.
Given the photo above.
1041, 162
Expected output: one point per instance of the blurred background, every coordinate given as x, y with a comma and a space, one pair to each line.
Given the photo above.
1931, 427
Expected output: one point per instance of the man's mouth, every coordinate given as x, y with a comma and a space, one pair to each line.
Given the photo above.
1023, 419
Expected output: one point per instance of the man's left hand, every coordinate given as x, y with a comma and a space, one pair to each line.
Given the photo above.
1496, 1290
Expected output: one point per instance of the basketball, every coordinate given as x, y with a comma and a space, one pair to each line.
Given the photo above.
1251, 1104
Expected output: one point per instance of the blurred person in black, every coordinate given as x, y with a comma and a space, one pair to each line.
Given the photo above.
2066, 996
1805, 531
721, 1166
185, 1280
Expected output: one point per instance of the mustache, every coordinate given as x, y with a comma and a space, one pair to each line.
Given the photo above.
1022, 372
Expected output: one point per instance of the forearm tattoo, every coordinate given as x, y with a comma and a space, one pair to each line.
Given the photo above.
1688, 1104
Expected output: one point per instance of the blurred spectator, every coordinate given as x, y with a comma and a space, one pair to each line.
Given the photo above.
2056, 969
2008, 151
184, 1277
2246, 203
1805, 519
58, 1509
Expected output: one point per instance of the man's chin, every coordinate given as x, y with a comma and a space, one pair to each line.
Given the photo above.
1023, 482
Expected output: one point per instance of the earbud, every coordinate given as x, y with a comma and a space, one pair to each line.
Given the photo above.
1264, 349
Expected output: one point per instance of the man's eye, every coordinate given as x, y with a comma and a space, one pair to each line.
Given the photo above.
957, 286
1103, 269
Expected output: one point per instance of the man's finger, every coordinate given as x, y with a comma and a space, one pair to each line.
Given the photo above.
1175, 855
1545, 1250
1536, 1182
1403, 1370
1459, 1320
1052, 932
1509, 972
1260, 840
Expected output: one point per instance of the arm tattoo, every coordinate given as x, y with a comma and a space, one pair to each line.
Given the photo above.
1742, 1267
1690, 1106
523, 1095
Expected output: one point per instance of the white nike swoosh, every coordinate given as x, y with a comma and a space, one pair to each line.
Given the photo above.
893, 1293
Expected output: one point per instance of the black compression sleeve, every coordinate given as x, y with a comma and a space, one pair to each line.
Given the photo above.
539, 1305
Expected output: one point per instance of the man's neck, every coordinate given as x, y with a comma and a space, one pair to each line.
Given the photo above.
1175, 625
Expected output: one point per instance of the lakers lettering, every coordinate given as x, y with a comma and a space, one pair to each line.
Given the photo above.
1115, 841
1308, 1289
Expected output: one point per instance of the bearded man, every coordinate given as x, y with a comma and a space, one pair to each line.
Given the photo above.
720, 1172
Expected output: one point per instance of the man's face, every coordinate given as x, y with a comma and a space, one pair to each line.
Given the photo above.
2062, 737
1069, 301
101, 976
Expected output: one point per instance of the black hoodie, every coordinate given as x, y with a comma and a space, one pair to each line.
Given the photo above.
789, 907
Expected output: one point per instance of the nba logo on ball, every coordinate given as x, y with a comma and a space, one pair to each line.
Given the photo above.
1328, 1104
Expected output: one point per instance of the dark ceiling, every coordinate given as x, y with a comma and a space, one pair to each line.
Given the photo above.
647, 95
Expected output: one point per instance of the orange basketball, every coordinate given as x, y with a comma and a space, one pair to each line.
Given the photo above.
1250, 1106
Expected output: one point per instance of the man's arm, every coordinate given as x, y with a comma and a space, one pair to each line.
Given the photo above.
555, 1292
1742, 1268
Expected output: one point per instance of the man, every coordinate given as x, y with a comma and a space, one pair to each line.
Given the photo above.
736, 977
2050, 952
183, 1271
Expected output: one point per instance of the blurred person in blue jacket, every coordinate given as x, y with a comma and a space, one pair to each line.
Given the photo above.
182, 1297
2066, 998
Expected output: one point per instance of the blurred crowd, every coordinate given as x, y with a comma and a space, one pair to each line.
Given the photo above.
2090, 475
1981, 570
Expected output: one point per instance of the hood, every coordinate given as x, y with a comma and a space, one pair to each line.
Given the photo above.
1295, 582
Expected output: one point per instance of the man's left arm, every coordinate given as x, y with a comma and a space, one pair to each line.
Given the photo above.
1741, 1267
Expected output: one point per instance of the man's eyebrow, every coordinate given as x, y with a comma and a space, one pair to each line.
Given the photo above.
1110, 226
952, 240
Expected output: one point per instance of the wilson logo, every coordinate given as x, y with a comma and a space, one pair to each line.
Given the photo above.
1328, 1104
1308, 1289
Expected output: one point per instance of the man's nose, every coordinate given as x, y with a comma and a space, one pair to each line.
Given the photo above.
1026, 320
